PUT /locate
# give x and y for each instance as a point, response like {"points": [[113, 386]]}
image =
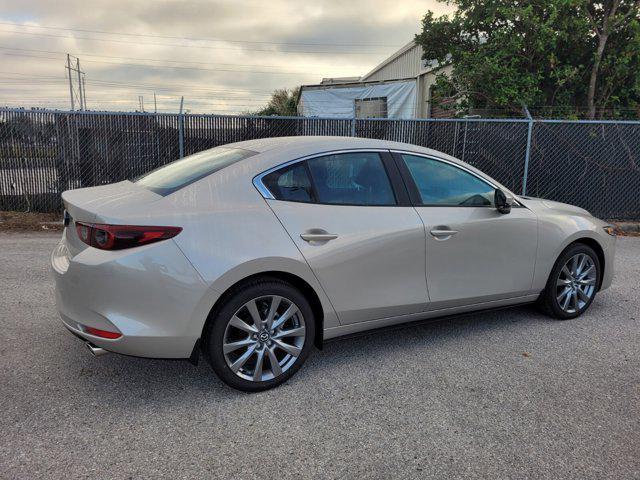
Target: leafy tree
{"points": [[564, 54], [619, 21], [282, 103]]}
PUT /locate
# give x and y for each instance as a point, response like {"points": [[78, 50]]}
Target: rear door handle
{"points": [[318, 235], [441, 233]]}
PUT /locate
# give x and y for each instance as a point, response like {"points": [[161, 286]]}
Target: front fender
{"points": [[557, 231]]}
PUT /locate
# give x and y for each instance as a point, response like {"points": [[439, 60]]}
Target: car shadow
{"points": [[133, 381]]}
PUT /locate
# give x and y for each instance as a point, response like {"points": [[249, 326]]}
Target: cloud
{"points": [[197, 49]]}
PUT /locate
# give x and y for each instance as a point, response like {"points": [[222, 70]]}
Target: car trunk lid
{"points": [[95, 204]]}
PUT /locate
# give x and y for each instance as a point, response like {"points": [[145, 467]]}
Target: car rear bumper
{"points": [[152, 295]]}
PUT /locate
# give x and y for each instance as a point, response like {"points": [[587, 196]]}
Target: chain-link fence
{"points": [[595, 165]]}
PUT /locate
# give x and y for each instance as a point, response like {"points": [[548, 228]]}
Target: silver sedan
{"points": [[252, 253]]}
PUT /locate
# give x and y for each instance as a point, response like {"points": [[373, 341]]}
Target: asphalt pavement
{"points": [[501, 394]]}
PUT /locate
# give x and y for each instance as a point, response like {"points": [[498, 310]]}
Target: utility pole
{"points": [[70, 81], [84, 92], [80, 83], [81, 95], [181, 129], [141, 103], [155, 105]]}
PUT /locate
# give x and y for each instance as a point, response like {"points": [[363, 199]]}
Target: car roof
{"points": [[324, 143], [276, 151]]}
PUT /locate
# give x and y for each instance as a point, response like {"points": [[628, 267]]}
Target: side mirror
{"points": [[502, 202]]}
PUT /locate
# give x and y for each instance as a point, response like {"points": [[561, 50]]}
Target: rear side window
{"points": [[358, 178], [176, 175], [291, 183], [351, 179]]}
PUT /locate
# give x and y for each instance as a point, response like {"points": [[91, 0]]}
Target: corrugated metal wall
{"points": [[407, 65]]}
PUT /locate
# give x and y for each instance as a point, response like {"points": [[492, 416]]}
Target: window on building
{"points": [[371, 107]]}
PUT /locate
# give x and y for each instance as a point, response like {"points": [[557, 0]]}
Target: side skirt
{"points": [[354, 328]]}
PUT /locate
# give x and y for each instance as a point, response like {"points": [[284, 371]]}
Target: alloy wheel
{"points": [[576, 283], [264, 338]]}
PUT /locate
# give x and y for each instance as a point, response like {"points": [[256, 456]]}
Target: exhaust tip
{"points": [[96, 351]]}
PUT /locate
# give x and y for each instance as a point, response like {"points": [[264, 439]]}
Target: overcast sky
{"points": [[224, 56]]}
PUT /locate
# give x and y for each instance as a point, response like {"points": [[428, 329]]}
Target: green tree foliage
{"points": [[566, 55], [282, 103]]}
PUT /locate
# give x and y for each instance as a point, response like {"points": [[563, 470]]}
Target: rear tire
{"points": [[260, 336], [572, 284]]}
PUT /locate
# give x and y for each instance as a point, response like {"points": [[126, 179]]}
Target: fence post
{"points": [[528, 151], [181, 129], [353, 120]]}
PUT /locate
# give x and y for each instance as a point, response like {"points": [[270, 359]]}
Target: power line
{"points": [[38, 84], [171, 66], [211, 100], [335, 52], [164, 86], [252, 97], [246, 102], [209, 39], [149, 59]]}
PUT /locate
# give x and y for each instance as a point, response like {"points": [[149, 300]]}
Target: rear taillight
{"points": [[117, 237], [96, 332]]}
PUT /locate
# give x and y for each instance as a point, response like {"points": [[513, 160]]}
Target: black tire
{"points": [[548, 301], [214, 334]]}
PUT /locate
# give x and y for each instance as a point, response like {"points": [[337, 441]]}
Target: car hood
{"points": [[541, 205]]}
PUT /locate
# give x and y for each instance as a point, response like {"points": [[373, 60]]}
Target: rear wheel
{"points": [[261, 335], [573, 283]]}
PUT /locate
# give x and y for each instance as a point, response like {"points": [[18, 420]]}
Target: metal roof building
{"points": [[399, 87]]}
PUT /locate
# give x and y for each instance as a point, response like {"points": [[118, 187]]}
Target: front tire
{"points": [[573, 283], [261, 335]]}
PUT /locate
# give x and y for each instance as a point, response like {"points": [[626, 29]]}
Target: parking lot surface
{"points": [[501, 394]]}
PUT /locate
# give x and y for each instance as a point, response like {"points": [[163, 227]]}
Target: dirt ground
{"points": [[30, 221]]}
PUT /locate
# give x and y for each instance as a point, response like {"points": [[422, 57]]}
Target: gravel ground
{"points": [[503, 394]]}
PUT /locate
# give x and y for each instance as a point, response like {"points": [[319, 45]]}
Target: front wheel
{"points": [[573, 283], [261, 335]]}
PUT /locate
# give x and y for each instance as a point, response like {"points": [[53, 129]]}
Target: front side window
{"points": [[179, 174], [357, 178], [441, 183]]}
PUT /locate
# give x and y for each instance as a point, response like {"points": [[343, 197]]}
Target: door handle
{"points": [[442, 233], [317, 235]]}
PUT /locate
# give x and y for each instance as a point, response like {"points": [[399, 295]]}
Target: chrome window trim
{"points": [[264, 191], [461, 167], [453, 164]]}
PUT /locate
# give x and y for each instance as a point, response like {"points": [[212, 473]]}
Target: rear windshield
{"points": [[176, 175]]}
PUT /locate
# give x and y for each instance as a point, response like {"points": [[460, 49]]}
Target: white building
{"points": [[400, 87]]}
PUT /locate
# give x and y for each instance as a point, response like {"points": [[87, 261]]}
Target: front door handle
{"points": [[442, 233], [317, 235]]}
